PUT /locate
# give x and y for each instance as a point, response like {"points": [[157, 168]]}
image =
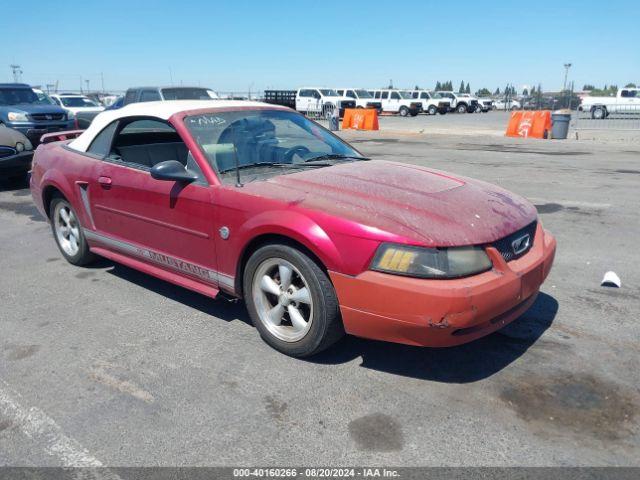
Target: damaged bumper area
{"points": [[442, 313]]}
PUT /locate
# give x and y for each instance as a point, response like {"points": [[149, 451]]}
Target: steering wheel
{"points": [[300, 150]]}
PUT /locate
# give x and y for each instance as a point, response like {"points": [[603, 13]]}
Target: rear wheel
{"points": [[432, 110], [461, 108], [291, 301], [599, 113], [68, 233], [404, 111]]}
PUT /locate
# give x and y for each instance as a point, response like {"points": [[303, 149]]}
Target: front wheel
{"points": [[68, 233], [291, 301], [462, 108], [432, 110], [404, 111]]}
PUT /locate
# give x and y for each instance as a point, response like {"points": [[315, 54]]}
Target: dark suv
{"points": [[22, 110], [154, 94]]}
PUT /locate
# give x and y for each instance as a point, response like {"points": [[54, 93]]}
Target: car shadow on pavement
{"points": [[220, 308], [9, 184], [462, 364]]}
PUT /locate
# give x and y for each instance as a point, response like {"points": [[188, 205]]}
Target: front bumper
{"points": [[442, 313], [18, 163], [35, 130]]}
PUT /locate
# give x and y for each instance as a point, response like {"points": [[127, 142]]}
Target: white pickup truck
{"points": [[362, 97], [397, 101], [322, 101], [626, 100], [432, 103], [461, 102]]}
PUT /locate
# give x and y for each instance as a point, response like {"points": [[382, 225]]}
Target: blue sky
{"points": [[237, 45]]}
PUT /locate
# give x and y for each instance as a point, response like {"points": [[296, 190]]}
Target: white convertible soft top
{"points": [[162, 110]]}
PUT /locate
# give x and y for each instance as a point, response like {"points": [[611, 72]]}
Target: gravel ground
{"points": [[108, 366]]}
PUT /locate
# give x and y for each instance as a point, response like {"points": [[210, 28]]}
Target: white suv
{"points": [[397, 101], [322, 101], [432, 103], [362, 97]]}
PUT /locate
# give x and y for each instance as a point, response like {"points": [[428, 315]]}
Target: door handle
{"points": [[104, 181]]}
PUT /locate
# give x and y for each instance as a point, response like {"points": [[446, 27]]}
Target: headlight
{"points": [[20, 146], [430, 262], [17, 117]]}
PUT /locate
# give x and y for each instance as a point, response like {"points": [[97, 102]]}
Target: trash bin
{"points": [[334, 120], [560, 120]]}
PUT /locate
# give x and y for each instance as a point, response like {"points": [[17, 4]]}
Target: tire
{"points": [[599, 113], [404, 111], [318, 325], [432, 110], [461, 108], [73, 245], [513, 108]]}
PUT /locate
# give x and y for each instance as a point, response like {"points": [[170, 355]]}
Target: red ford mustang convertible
{"points": [[259, 202]]}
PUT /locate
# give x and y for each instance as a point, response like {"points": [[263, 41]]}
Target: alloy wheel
{"points": [[67, 229], [282, 299]]}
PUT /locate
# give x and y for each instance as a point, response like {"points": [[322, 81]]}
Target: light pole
{"points": [[567, 66]]}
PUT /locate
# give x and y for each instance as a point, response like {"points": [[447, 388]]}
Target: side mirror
{"points": [[172, 170]]}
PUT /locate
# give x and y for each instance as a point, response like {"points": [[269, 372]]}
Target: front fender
{"points": [[299, 228]]}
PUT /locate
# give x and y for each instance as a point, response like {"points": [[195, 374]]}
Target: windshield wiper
{"points": [[279, 165], [335, 156]]}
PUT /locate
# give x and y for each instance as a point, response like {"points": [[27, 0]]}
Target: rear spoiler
{"points": [[60, 136]]}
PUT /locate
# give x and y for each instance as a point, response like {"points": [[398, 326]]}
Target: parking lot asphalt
{"points": [[105, 365]]}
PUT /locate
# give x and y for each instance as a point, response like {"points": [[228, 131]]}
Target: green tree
{"points": [[497, 92], [438, 86], [461, 88], [588, 86], [483, 92], [630, 85], [525, 92], [468, 89]]}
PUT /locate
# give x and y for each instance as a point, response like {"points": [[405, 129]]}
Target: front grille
{"points": [[505, 245], [474, 102], [47, 117], [7, 152]]}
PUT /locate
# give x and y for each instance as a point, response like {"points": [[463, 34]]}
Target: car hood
{"points": [[35, 108], [9, 137], [85, 109], [411, 203]]}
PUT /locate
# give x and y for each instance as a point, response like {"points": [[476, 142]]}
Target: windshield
{"points": [[44, 99], [363, 94], [264, 143], [407, 95], [77, 102], [182, 93], [435, 95], [17, 96], [327, 92]]}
